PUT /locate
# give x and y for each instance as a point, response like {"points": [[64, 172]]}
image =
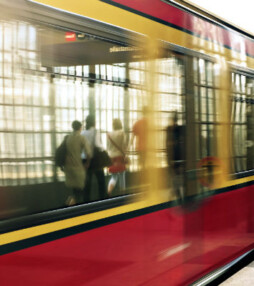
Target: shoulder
{"points": [[136, 125], [118, 133], [111, 134], [121, 133], [82, 138]]}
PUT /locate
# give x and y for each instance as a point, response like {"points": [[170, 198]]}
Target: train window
{"points": [[48, 80], [205, 107], [242, 114]]}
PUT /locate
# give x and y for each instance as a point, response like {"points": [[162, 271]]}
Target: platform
{"points": [[244, 277]]}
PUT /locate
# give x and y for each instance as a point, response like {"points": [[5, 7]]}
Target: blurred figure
{"points": [[75, 173], [93, 136], [175, 154], [117, 144], [140, 133]]}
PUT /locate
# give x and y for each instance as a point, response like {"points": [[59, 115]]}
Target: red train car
{"points": [[170, 225]]}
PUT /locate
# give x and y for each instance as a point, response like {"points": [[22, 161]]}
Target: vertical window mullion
{"points": [[199, 111]]}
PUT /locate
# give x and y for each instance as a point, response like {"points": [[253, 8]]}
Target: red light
{"points": [[70, 37]]}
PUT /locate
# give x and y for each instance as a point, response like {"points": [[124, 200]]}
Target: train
{"points": [[63, 60]]}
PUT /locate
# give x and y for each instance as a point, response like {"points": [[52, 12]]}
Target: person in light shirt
{"points": [[117, 144], [75, 173]]}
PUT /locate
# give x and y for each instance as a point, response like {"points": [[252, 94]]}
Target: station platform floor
{"points": [[244, 277]]}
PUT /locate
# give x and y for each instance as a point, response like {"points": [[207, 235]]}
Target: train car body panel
{"points": [[154, 237], [151, 249], [163, 21]]}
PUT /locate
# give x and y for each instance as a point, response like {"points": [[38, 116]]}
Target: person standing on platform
{"points": [[75, 173], [140, 133], [176, 154], [93, 136], [117, 144]]}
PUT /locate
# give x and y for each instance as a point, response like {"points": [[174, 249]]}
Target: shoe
{"points": [[70, 201]]}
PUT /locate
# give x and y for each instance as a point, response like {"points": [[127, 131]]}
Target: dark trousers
{"points": [[77, 195], [99, 174]]}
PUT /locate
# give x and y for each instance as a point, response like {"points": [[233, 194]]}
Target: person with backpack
{"points": [[93, 137], [75, 172]]}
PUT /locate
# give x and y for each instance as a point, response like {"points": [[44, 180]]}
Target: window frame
{"points": [[238, 95]]}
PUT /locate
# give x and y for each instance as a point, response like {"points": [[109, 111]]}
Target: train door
{"points": [[186, 120], [202, 121], [168, 124]]}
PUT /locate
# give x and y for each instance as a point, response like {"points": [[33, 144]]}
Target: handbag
{"points": [[100, 158], [118, 165], [60, 155]]}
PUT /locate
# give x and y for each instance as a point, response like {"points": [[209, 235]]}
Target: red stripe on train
{"points": [[189, 22]]}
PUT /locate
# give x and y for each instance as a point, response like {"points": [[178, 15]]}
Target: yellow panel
{"points": [[67, 223], [119, 17]]}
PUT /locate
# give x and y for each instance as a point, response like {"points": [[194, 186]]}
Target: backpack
{"points": [[60, 154]]}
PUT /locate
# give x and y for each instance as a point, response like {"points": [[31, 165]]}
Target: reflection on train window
{"points": [[169, 98], [242, 126], [47, 81], [205, 107]]}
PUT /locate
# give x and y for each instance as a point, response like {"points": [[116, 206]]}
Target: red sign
{"points": [[209, 169], [70, 37]]}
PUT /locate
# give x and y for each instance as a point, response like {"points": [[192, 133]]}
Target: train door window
{"points": [[242, 114], [205, 129], [205, 107], [170, 99]]}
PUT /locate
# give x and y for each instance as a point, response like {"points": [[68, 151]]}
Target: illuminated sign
{"points": [[70, 37]]}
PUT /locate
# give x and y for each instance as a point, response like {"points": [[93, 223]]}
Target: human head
{"points": [[145, 110], [90, 121], [76, 125], [117, 124]]}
